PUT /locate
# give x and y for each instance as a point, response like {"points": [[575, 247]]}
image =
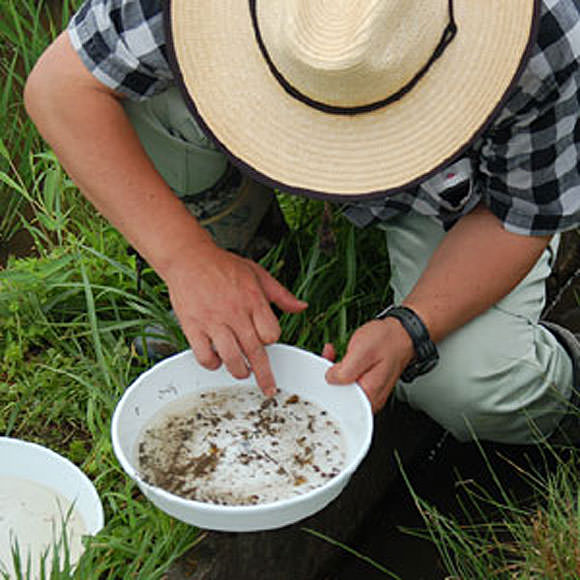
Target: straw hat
{"points": [[347, 97]]}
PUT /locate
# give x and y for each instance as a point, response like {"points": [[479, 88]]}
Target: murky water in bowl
{"points": [[232, 446], [34, 515]]}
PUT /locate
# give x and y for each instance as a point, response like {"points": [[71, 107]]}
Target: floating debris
{"points": [[232, 446]]}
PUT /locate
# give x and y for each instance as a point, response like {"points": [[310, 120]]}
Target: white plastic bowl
{"points": [[41, 466], [296, 371]]}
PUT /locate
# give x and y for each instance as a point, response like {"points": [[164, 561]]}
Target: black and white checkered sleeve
{"points": [[122, 43], [529, 170]]}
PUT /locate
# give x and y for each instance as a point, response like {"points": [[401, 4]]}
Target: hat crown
{"points": [[350, 53]]}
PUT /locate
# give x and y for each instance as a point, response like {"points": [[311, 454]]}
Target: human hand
{"points": [[329, 352], [223, 304], [376, 355]]}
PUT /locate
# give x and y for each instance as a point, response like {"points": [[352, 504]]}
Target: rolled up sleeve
{"points": [[121, 42]]}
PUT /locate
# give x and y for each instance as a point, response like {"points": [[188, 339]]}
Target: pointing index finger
{"points": [[258, 360], [260, 365]]}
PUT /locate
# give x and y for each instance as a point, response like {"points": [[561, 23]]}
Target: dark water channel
{"points": [[442, 482]]}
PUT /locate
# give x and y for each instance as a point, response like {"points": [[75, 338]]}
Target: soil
{"points": [[395, 537], [20, 245]]}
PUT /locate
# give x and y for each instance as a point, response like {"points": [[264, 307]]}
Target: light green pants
{"points": [[191, 164], [501, 377]]}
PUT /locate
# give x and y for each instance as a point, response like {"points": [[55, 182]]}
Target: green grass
{"points": [[65, 361], [68, 316], [26, 28]]}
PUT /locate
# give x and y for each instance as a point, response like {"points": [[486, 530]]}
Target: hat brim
{"points": [[296, 148]]}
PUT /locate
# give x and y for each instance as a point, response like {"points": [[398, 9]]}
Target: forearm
{"points": [[475, 266], [87, 127]]}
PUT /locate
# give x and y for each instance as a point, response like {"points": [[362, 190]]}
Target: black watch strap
{"points": [[426, 355]]}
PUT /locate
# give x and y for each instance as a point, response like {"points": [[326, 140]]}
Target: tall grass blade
{"points": [[94, 324]]}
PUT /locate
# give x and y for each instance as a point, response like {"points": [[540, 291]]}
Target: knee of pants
{"points": [[508, 389]]}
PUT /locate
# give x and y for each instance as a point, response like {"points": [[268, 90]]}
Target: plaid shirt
{"points": [[525, 167]]}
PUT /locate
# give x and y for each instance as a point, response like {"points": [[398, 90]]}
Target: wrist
{"points": [[185, 251], [424, 352], [398, 339]]}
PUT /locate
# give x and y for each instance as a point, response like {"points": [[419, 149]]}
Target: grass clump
{"points": [[64, 362], [498, 534], [26, 29]]}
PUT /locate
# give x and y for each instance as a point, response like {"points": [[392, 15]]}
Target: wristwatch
{"points": [[426, 355]]}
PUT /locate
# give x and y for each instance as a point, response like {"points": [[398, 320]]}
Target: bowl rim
{"points": [[60, 459], [207, 507]]}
